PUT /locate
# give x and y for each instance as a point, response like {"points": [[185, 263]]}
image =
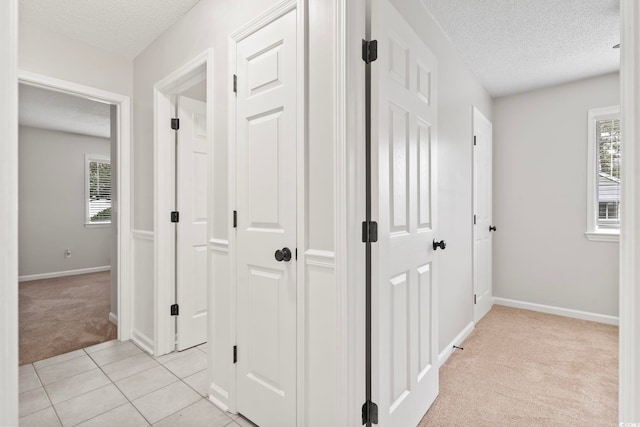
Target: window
{"points": [[98, 190], [603, 216]]}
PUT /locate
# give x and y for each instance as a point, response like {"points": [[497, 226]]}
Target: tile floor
{"points": [[117, 384]]}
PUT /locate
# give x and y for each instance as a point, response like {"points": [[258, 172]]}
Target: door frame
{"points": [[475, 111], [164, 93], [124, 193], [629, 372], [243, 32]]}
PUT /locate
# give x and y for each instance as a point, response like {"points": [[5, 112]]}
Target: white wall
{"points": [[53, 55], [52, 203], [541, 254], [207, 25], [458, 91]]}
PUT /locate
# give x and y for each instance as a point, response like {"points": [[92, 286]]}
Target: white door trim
{"points": [[353, 351], [629, 380], [164, 92], [123, 102], [258, 23], [9, 213]]}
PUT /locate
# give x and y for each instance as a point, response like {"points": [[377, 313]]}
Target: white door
{"points": [[191, 260], [266, 223], [404, 289], [482, 201]]}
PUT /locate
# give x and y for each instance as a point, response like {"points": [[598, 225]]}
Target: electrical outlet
{"points": [[67, 253]]}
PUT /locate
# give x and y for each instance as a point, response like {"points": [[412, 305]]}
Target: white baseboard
{"points": [[444, 355], [142, 341], [559, 311], [113, 318], [63, 273]]}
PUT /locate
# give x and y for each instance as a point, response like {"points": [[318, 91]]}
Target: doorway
{"points": [[87, 255], [483, 227], [183, 174]]}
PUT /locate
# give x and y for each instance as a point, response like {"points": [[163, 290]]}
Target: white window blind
{"points": [[608, 143], [98, 190]]}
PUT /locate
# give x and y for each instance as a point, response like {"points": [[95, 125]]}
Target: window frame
{"points": [[595, 232], [88, 158]]}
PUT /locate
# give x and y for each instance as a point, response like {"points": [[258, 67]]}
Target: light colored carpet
{"points": [[64, 314], [523, 368]]}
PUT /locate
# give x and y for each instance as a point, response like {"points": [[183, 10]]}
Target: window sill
{"points": [[97, 225], [603, 236]]}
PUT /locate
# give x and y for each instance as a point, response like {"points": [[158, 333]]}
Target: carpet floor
{"points": [[523, 368], [64, 314]]}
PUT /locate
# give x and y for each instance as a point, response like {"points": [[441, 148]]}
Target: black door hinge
{"points": [[369, 232], [235, 84], [235, 354], [175, 216], [369, 413], [174, 309], [475, 300], [235, 219], [369, 50], [474, 140], [474, 220], [175, 124]]}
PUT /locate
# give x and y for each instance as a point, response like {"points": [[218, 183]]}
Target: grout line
{"points": [[47, 394]]}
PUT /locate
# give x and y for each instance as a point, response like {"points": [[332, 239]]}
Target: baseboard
{"points": [[444, 355], [224, 407], [113, 318], [142, 341], [559, 311], [63, 273]]}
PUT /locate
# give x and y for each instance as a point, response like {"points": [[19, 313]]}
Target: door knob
{"points": [[283, 255], [492, 228], [441, 244]]}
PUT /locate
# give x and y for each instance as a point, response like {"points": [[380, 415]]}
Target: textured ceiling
{"points": [[124, 27], [518, 45], [47, 109]]}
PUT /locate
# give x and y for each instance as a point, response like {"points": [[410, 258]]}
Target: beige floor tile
{"points": [[188, 364], [102, 346], [32, 401], [166, 401], [115, 353], [66, 389], [89, 405], [60, 371], [28, 378], [122, 416], [145, 382], [198, 382], [176, 354], [58, 359], [200, 414], [43, 418], [129, 366]]}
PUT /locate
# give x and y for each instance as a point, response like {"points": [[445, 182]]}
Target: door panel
{"points": [[482, 201], [266, 222], [404, 114], [191, 286]]}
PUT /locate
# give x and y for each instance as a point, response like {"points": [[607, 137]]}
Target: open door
{"points": [[191, 260], [404, 354], [482, 215]]}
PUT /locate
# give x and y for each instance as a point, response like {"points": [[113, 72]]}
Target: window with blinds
{"points": [[98, 190], [608, 185], [603, 174]]}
